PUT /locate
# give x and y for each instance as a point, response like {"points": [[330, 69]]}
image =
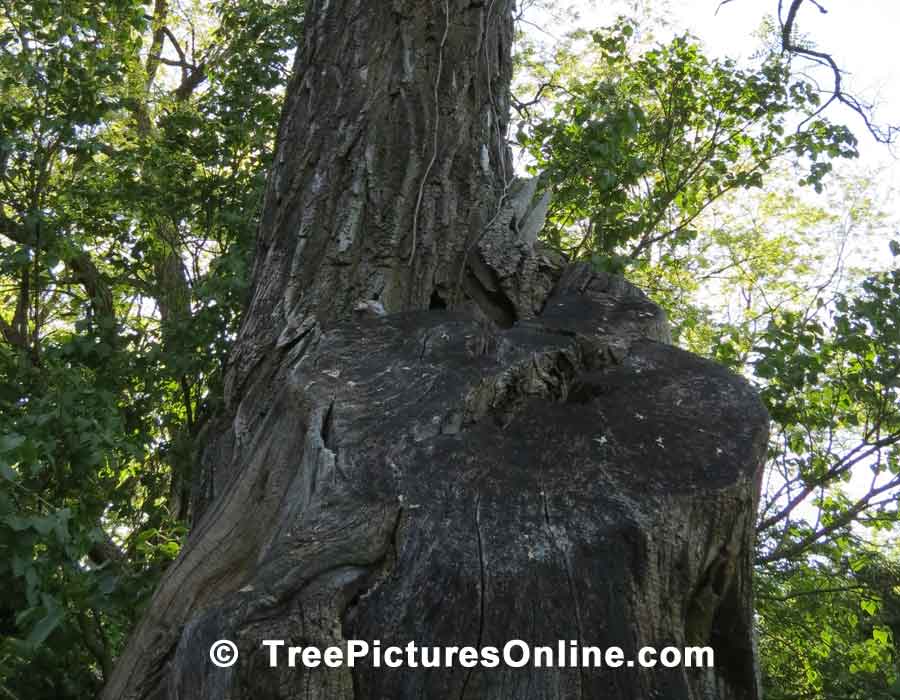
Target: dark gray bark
{"points": [[436, 431]]}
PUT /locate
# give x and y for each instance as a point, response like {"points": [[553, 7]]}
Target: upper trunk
{"points": [[413, 473], [391, 163]]}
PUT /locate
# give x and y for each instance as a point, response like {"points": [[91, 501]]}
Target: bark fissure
{"points": [[482, 583], [435, 131]]}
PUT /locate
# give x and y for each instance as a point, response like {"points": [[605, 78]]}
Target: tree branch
{"points": [[788, 45], [845, 519]]}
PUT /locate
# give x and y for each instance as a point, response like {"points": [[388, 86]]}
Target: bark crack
{"points": [[426, 336], [380, 569], [437, 121], [481, 587], [327, 425], [563, 553]]}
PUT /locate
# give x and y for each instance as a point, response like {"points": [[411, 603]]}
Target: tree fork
{"points": [[437, 432]]}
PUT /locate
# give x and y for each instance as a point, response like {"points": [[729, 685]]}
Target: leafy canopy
{"points": [[132, 160], [638, 144]]}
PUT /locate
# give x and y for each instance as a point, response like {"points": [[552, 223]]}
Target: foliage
{"points": [[132, 161], [640, 145], [827, 600], [829, 629], [831, 387]]}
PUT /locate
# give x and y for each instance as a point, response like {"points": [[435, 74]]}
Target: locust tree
{"points": [[434, 429]]}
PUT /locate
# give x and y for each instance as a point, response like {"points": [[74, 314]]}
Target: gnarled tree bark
{"points": [[435, 430]]}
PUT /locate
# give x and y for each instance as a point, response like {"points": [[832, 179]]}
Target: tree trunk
{"points": [[437, 432]]}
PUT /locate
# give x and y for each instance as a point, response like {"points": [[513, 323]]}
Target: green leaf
{"points": [[10, 442], [45, 626], [7, 472]]}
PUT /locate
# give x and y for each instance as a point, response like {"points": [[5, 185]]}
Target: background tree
{"points": [[640, 144], [132, 149]]}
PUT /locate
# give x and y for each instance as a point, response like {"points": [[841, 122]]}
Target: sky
{"points": [[861, 36]]}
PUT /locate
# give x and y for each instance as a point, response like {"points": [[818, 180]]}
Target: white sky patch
{"points": [[860, 35]]}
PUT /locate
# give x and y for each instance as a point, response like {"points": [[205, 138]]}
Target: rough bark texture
{"points": [[392, 163], [438, 432]]}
